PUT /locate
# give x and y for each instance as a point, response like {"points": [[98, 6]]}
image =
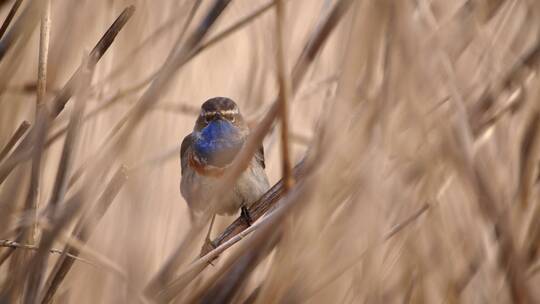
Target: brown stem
{"points": [[9, 17], [14, 139], [283, 97], [16, 245]]}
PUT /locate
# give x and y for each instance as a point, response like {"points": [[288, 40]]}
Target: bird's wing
{"points": [[259, 156], [186, 143]]}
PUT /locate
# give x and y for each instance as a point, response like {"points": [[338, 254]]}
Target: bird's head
{"points": [[221, 110], [220, 131]]}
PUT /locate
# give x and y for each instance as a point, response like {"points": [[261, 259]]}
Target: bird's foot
{"points": [[244, 213]]}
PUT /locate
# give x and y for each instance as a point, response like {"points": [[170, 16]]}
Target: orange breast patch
{"points": [[204, 170]]}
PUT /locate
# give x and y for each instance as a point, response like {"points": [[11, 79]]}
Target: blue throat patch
{"points": [[218, 143]]}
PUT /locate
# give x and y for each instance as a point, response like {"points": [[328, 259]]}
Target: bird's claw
{"points": [[244, 213]]}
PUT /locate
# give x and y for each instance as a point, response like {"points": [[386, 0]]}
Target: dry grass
{"points": [[410, 129]]}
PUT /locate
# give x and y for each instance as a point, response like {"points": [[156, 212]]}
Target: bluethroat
{"points": [[219, 133]]}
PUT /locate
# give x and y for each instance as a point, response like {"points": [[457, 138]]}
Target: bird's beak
{"points": [[219, 116]]}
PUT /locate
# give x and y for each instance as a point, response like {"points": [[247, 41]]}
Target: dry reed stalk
{"points": [[19, 132], [64, 167], [233, 28], [44, 37], [528, 158], [253, 295], [534, 269], [489, 8], [6, 255], [30, 234], [284, 95], [33, 197], [528, 178], [16, 245], [23, 150], [187, 22], [9, 17], [325, 27], [22, 27], [42, 124], [14, 41], [95, 55], [152, 38]]}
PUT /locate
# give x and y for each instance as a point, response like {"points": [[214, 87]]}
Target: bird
{"points": [[220, 132]]}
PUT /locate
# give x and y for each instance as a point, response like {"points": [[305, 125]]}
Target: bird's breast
{"points": [[217, 144], [199, 184]]}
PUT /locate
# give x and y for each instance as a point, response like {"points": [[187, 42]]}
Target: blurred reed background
{"points": [[417, 121]]}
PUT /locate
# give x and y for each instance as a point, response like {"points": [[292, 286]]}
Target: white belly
{"points": [[198, 189]]}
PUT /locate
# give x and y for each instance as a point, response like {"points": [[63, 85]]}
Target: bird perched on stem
{"points": [[219, 133]]}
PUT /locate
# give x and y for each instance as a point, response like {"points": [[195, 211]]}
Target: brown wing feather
{"points": [[186, 143]]}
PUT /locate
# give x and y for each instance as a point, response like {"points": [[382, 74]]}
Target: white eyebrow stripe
{"points": [[226, 112]]}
